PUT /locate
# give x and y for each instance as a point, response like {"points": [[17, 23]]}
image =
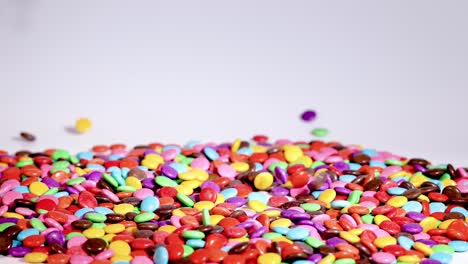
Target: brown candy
{"points": [[137, 173], [360, 158], [326, 249], [82, 224], [239, 248], [27, 136], [5, 243], [94, 245], [412, 193], [114, 218], [452, 192], [12, 231], [434, 173]]}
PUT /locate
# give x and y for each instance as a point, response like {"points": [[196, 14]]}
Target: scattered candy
{"points": [[27, 136], [238, 202], [82, 125], [319, 132], [308, 115]]}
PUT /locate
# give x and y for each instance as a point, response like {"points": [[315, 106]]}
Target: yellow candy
{"points": [[423, 197], [399, 174], [239, 239], [417, 180], [272, 213], [282, 222], [184, 189], [114, 228], [258, 149], [192, 184], [263, 180], [449, 182], [120, 247], [109, 237], [154, 157], [131, 229], [235, 145], [123, 208], [445, 224], [118, 258], [257, 206], [201, 175], [327, 196], [94, 232], [35, 257], [80, 171], [380, 218], [269, 258], [384, 241], [409, 259], [83, 124], [134, 182], [220, 199], [12, 215], [306, 160], [214, 219], [167, 228], [178, 212], [352, 238], [328, 259], [288, 185], [240, 166], [397, 201], [429, 223], [357, 231], [292, 153], [423, 248], [3, 164], [150, 164], [281, 238], [203, 205], [38, 188]]}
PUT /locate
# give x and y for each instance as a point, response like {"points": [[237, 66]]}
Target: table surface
{"points": [[390, 76]]}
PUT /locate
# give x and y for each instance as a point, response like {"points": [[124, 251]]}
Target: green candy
{"points": [[96, 217], [445, 176], [42, 211], [99, 225], [282, 164], [75, 181], [367, 219], [5, 226], [187, 201], [271, 235], [37, 224], [23, 163], [109, 179], [393, 162], [354, 196], [73, 234], [126, 189], [165, 181], [443, 248], [319, 132], [54, 170], [193, 234], [136, 210], [61, 164], [310, 207], [51, 191], [145, 217], [206, 217], [316, 164], [187, 251], [344, 261], [74, 159], [60, 154], [314, 242]]}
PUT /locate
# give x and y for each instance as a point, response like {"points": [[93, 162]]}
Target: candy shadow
{"points": [[71, 130], [20, 139]]}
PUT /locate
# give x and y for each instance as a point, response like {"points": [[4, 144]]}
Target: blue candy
{"points": [[27, 232], [405, 242], [444, 258], [340, 204], [437, 207], [460, 210], [149, 204], [245, 151], [413, 206], [79, 213], [195, 243], [21, 189], [258, 196], [103, 210], [179, 167], [297, 233], [161, 256], [347, 178], [281, 230], [229, 193], [459, 245], [211, 153]]}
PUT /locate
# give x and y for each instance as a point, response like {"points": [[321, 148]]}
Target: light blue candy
{"points": [[161, 256], [258, 196], [398, 179], [413, 206], [143, 168], [125, 172], [229, 193], [444, 258], [79, 213], [103, 210], [118, 177], [115, 157], [396, 191], [149, 204], [258, 166], [316, 194], [354, 166], [297, 233], [339, 204], [460, 210], [16, 243], [95, 167], [168, 147], [27, 232], [121, 262], [61, 194], [281, 230], [21, 189], [437, 207], [179, 167], [302, 261], [405, 242], [369, 152], [375, 163], [88, 155], [245, 151], [211, 153], [226, 248], [191, 144], [195, 243], [347, 178], [114, 168], [459, 245]]}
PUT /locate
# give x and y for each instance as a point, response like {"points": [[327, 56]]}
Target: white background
{"points": [[390, 75]]}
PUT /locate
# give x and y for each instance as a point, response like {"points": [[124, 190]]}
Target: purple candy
{"points": [[56, 237], [319, 227], [246, 224], [300, 216], [71, 190], [150, 151], [281, 175], [94, 176], [8, 220], [210, 184], [259, 232], [428, 242], [51, 183], [279, 191], [412, 228], [430, 261], [315, 257], [169, 171], [288, 213], [237, 201], [19, 252], [306, 222], [324, 166], [420, 168], [308, 115], [415, 216], [341, 166], [334, 241], [342, 190], [148, 183]]}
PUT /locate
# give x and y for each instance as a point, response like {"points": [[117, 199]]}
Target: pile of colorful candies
{"points": [[237, 202]]}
